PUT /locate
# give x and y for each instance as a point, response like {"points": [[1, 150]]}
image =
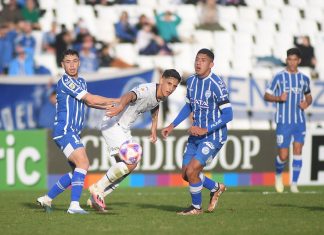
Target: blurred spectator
{"points": [[31, 13], [88, 57], [108, 60], [150, 44], [126, 1], [10, 13], [143, 19], [48, 110], [166, 24], [232, 2], [6, 49], [22, 64], [208, 15], [63, 41], [26, 39], [307, 51], [49, 38], [124, 30]]}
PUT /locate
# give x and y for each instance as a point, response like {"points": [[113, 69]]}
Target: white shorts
{"points": [[114, 135]]}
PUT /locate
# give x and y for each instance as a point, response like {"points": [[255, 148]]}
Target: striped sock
{"points": [[296, 165], [60, 186], [77, 183], [280, 165], [195, 192], [208, 183]]}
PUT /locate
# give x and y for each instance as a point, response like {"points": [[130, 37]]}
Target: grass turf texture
{"points": [[241, 210]]}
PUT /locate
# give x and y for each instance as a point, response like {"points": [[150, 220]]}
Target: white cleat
{"points": [[278, 184], [45, 202], [294, 188], [77, 211]]}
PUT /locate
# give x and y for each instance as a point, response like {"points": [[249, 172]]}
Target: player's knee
{"points": [[131, 167]]}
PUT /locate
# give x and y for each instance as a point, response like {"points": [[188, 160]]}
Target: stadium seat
{"points": [[187, 13], [183, 64], [308, 27], [221, 66], [106, 14], [314, 13], [204, 37], [261, 49], [247, 13], [306, 70], [144, 3], [127, 52], [47, 4], [163, 62], [271, 14], [316, 3], [265, 27], [47, 60], [86, 12], [274, 3], [255, 3], [261, 73], [227, 14], [107, 33], [289, 26], [301, 4], [246, 26], [146, 10], [46, 20], [145, 62], [38, 35], [64, 14], [290, 13]]}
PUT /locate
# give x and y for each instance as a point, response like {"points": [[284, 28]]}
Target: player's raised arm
{"points": [[272, 98], [114, 110], [154, 115], [99, 102]]}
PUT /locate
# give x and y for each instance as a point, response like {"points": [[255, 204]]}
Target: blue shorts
{"points": [[201, 149], [68, 143], [285, 133]]}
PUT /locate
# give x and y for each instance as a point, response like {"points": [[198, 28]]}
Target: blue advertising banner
{"points": [[25, 103]]}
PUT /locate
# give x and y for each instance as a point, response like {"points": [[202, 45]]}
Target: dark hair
{"points": [[69, 52], [207, 52], [294, 51], [171, 73]]}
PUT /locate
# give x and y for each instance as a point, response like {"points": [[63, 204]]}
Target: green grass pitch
{"points": [[241, 210]]}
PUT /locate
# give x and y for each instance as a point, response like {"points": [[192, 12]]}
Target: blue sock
{"points": [[77, 183], [296, 165], [208, 183], [60, 186], [280, 165], [195, 192]]}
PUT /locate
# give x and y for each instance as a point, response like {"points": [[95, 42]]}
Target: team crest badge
{"points": [[207, 94], [205, 150], [72, 86]]}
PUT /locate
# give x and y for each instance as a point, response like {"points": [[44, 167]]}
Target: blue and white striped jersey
{"points": [[70, 109], [205, 97], [296, 85]]}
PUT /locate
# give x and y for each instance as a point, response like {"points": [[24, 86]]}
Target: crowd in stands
{"points": [[151, 35]]}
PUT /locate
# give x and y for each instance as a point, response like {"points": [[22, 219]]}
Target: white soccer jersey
{"points": [[116, 130], [146, 100]]}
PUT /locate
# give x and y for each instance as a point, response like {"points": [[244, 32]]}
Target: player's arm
{"points": [[154, 115], [304, 104], [183, 114], [268, 96], [123, 102], [98, 102], [225, 117]]}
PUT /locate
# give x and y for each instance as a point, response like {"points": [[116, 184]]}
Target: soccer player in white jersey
{"points": [[116, 129], [72, 97], [207, 100], [290, 90]]}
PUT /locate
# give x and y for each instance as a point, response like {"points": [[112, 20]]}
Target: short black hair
{"points": [[294, 51], [69, 52], [207, 52], [171, 73]]}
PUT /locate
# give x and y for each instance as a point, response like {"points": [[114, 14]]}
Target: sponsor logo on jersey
{"points": [[72, 86], [210, 145], [201, 103]]}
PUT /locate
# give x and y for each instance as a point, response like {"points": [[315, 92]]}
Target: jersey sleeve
{"points": [[307, 89], [69, 87], [273, 85], [221, 93], [142, 91]]}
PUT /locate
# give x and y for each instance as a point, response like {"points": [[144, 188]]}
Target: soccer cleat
{"points": [[92, 204], [294, 188], [190, 211], [45, 202], [214, 196], [278, 184], [77, 211], [96, 198]]}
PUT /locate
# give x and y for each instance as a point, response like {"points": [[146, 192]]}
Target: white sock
{"points": [[114, 173], [74, 205]]}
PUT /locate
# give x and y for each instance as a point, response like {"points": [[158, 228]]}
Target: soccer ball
{"points": [[130, 152]]}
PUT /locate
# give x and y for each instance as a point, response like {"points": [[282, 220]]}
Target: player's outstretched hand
{"points": [[114, 110], [167, 130], [303, 105], [153, 137], [197, 131]]}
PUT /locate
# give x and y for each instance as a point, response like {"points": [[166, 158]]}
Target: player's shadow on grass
{"points": [[171, 208], [31, 205], [311, 208]]}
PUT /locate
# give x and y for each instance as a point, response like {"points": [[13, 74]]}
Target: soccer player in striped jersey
{"points": [[290, 90], [116, 126], [207, 100], [72, 97]]}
